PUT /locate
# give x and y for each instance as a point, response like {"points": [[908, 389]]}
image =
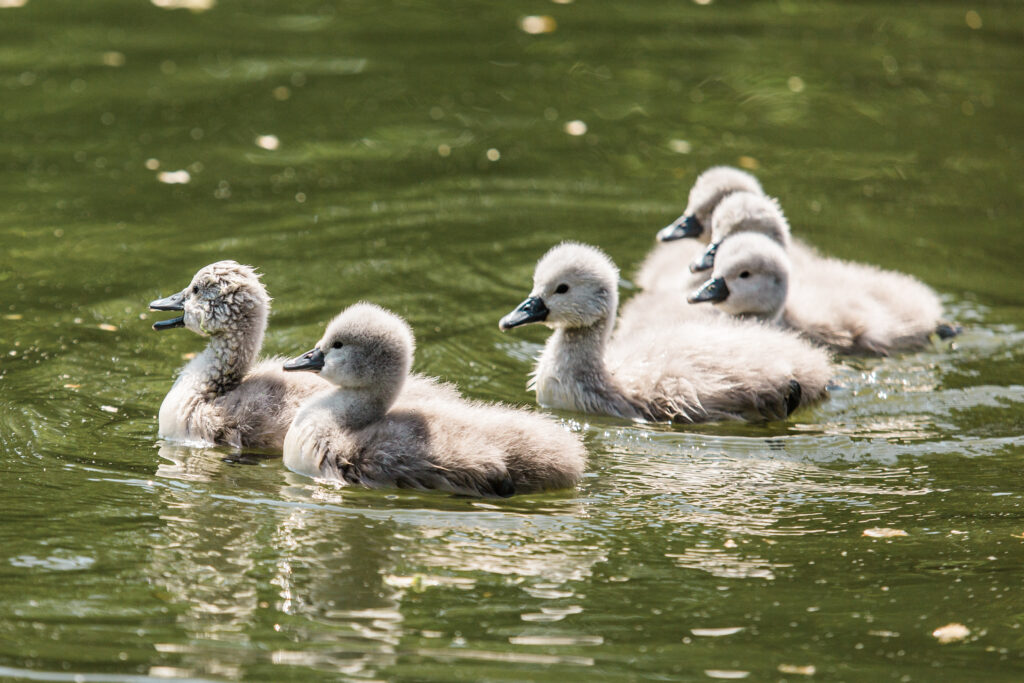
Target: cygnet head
{"points": [[744, 212], [574, 286], [222, 297], [708, 191], [365, 347], [751, 278]]}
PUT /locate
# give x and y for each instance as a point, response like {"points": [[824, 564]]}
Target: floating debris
{"points": [[113, 58], [951, 633], [795, 83], [680, 146], [749, 163], [12, 316], [808, 670], [716, 632], [268, 142], [108, 409], [535, 24], [493, 154], [8, 4], [107, 327], [72, 386], [180, 177], [191, 5], [576, 127], [884, 532], [730, 674]]}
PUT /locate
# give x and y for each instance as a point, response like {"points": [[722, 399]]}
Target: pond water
{"points": [[423, 154]]}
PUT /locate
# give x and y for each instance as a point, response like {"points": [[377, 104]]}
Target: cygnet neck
{"points": [[357, 407], [226, 360], [578, 352]]}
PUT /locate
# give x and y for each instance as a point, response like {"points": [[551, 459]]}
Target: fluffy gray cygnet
{"points": [[696, 371], [664, 268], [851, 307], [223, 396], [373, 431]]}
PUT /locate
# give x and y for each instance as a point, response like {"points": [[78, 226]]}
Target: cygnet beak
{"points": [[532, 310], [175, 302], [688, 226], [706, 260], [713, 290], [312, 360]]}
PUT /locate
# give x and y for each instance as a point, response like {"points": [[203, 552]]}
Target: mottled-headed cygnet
{"points": [[223, 395], [372, 432], [851, 307], [702, 370], [665, 265]]}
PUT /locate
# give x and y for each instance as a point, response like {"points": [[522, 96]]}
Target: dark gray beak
{"points": [[175, 302], [312, 360], [713, 290], [706, 260], [532, 310], [688, 226]]}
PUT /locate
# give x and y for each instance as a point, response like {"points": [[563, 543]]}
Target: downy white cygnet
{"points": [[223, 396], [665, 267], [697, 371], [750, 278], [369, 431], [851, 307]]}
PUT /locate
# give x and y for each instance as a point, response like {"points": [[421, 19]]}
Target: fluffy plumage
{"points": [[665, 267], [223, 395], [697, 371], [375, 430], [851, 307]]}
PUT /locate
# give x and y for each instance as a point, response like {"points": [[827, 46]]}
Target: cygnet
{"points": [[851, 307], [370, 432], [223, 396], [664, 268], [750, 278], [697, 371]]}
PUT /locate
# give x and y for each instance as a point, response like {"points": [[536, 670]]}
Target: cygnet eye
{"points": [[745, 274], [337, 345], [195, 289], [562, 288]]}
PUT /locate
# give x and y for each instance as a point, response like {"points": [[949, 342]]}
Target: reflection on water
{"points": [[423, 156]]}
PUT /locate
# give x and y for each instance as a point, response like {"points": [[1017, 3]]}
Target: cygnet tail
{"points": [[947, 330]]}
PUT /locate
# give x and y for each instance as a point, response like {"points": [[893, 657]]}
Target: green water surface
{"points": [[422, 161]]}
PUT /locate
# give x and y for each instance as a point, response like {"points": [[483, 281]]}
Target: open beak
{"points": [[175, 302], [686, 226], [312, 360], [532, 310], [713, 290], [706, 260]]}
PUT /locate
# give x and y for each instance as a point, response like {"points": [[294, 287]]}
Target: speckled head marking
{"points": [[223, 297]]}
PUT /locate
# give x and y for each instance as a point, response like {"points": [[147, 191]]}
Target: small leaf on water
{"points": [[884, 532], [951, 633], [799, 670], [107, 327]]}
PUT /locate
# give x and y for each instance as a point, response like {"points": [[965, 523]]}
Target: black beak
{"points": [[706, 260], [175, 302], [713, 290], [689, 226], [530, 311], [312, 360]]}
